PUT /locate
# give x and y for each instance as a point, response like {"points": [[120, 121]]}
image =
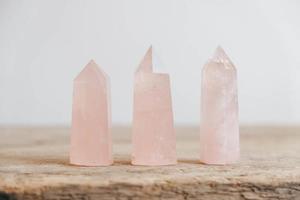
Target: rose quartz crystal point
{"points": [[153, 137], [219, 138], [91, 143]]}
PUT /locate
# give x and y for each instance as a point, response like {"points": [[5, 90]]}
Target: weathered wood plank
{"points": [[34, 165]]}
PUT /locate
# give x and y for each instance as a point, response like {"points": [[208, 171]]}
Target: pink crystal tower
{"points": [[91, 143], [153, 137], [219, 138]]}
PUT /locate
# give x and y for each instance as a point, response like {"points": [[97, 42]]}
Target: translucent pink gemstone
{"points": [[219, 111], [153, 137], [91, 143]]}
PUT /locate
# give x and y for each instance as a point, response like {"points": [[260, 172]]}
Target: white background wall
{"points": [[44, 44]]}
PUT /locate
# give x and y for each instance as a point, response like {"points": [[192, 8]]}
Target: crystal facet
{"points": [[91, 143], [219, 137], [153, 137]]}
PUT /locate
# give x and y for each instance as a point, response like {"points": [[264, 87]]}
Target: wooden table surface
{"points": [[34, 166]]}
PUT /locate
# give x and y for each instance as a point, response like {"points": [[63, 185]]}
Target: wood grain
{"points": [[34, 166]]}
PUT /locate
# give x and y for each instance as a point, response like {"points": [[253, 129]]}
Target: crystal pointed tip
{"points": [[151, 62], [92, 62], [219, 53], [146, 63], [90, 71], [149, 51], [220, 56]]}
